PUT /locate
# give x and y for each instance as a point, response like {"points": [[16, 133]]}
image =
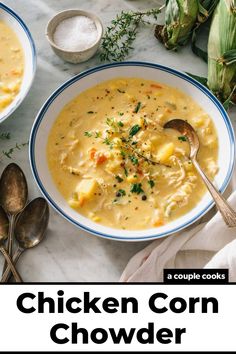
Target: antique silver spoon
{"points": [[4, 227], [228, 214], [30, 229], [13, 197]]}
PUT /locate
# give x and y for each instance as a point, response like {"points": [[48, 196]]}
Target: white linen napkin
{"points": [[209, 245]]}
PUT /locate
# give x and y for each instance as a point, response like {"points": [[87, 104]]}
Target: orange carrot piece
{"points": [[158, 223], [156, 86], [101, 158], [92, 153]]}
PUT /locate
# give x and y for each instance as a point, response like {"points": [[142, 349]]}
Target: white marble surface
{"points": [[69, 254]]}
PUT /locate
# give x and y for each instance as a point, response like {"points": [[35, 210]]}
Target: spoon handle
{"points": [[228, 214], [9, 240], [7, 274], [11, 265]]}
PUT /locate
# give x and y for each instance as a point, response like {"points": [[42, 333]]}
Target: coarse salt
{"points": [[76, 33]]}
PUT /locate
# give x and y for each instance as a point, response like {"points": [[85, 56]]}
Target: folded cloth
{"points": [[210, 245]]}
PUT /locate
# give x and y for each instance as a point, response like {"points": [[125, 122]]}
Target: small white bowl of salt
{"points": [[75, 35]]}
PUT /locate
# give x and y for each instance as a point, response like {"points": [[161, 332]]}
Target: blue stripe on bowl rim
{"points": [[182, 75], [34, 57]]}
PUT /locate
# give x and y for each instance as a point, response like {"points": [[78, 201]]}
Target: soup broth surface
{"points": [[113, 161], [11, 65]]}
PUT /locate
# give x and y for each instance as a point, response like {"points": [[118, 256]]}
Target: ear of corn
{"points": [[180, 18], [222, 51], [206, 8]]}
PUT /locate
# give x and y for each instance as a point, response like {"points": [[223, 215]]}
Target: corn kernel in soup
{"points": [[114, 163]]}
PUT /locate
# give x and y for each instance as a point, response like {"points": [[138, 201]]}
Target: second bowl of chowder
{"points": [[101, 157], [17, 61]]}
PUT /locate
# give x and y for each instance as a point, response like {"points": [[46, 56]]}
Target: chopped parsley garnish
{"points": [[151, 183], [120, 193], [97, 134], [137, 108], [5, 136], [133, 159], [182, 138], [121, 114], [90, 112], [119, 179], [108, 142], [126, 172], [120, 124], [110, 122], [123, 154], [136, 188], [88, 134], [134, 130]]}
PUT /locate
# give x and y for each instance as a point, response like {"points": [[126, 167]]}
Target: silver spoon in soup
{"points": [[228, 214]]}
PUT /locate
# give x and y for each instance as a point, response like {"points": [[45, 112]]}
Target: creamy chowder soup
{"points": [[114, 163], [11, 65]]}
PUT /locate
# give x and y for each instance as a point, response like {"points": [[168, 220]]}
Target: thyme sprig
{"points": [[145, 158], [5, 136], [9, 153], [120, 35]]}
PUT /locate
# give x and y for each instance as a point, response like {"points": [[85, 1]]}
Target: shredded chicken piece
{"points": [[177, 177]]}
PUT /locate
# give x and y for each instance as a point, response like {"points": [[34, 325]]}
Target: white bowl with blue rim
{"points": [[16, 23], [73, 87]]}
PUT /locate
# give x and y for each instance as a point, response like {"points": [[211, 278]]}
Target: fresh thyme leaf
{"points": [[120, 193], [10, 152], [5, 136], [123, 154], [126, 172], [107, 141], [90, 112], [137, 108], [97, 135], [134, 130], [121, 113], [88, 134], [120, 35], [133, 159], [110, 122], [120, 91], [119, 179], [151, 183], [182, 138], [136, 188], [120, 124]]}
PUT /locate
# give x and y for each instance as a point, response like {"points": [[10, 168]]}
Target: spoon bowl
{"points": [[13, 197], [13, 189], [186, 130], [32, 223], [4, 225], [30, 229]]}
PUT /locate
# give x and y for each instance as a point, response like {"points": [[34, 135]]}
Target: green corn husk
{"points": [[222, 51], [180, 18], [206, 9]]}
